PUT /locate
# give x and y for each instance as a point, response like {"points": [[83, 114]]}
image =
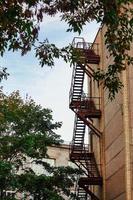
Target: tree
{"points": [[20, 23], [26, 131]]}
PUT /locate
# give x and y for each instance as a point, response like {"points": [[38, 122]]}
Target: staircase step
{"points": [[79, 73], [77, 82], [78, 79], [79, 132], [90, 181], [78, 85], [90, 193], [79, 90], [79, 128], [90, 125], [79, 67], [79, 136]]}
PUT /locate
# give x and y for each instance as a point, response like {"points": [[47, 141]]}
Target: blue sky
{"points": [[48, 87]]}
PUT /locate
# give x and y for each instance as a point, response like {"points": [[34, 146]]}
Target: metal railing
{"points": [[79, 43], [72, 83], [90, 102], [85, 147], [86, 102]]}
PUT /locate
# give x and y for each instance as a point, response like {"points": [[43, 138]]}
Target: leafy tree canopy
{"points": [[26, 131], [20, 23]]}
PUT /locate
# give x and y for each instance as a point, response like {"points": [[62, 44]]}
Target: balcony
{"points": [[86, 52], [88, 107]]}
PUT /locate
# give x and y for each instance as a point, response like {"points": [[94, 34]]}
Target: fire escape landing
{"points": [[86, 109]]}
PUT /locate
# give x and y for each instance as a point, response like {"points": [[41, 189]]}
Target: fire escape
{"points": [[86, 109]]}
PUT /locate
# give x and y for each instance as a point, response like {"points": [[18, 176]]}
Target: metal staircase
{"points": [[77, 84], [86, 109], [82, 195], [78, 134]]}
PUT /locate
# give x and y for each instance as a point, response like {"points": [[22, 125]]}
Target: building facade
{"points": [[117, 129], [58, 155]]}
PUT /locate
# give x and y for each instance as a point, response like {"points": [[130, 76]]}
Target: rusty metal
{"points": [[86, 108], [87, 52]]}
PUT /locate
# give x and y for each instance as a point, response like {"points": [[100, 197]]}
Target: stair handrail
{"points": [[72, 83], [74, 131]]}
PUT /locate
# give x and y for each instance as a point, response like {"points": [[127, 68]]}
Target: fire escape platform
{"points": [[90, 181], [91, 57], [85, 108], [80, 156], [88, 56], [90, 113]]}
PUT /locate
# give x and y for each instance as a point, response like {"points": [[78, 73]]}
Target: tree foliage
{"points": [[26, 131], [20, 23]]}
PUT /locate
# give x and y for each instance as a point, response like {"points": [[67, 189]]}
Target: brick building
{"points": [[116, 126], [107, 160]]}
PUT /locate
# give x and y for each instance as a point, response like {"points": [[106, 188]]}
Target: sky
{"points": [[47, 86]]}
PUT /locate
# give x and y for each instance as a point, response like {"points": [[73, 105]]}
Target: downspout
{"points": [[126, 127]]}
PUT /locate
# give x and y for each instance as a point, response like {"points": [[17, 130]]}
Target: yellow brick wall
{"points": [[113, 122]]}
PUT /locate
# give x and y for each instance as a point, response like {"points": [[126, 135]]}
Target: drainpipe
{"points": [[127, 138]]}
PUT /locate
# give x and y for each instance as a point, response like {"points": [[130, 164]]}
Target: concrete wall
{"points": [[60, 154]]}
